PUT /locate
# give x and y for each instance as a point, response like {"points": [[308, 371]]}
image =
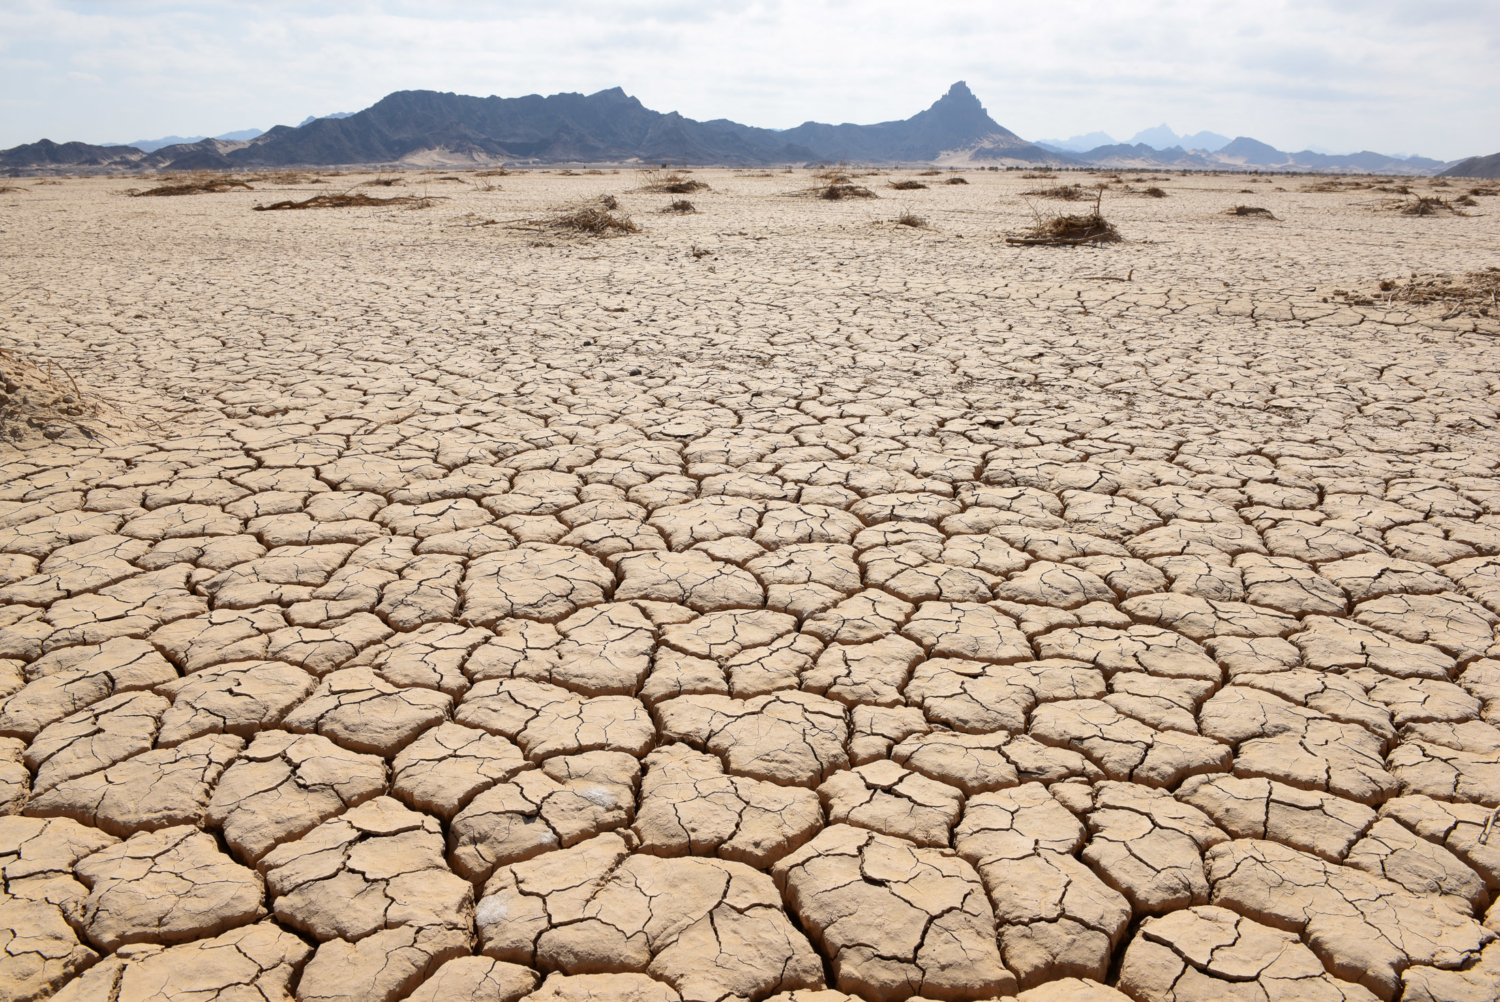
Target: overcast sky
{"points": [[1393, 76]]}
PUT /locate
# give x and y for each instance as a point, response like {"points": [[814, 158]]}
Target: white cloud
{"points": [[1351, 74]]}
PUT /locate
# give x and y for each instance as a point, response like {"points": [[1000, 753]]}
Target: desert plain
{"points": [[417, 601]]}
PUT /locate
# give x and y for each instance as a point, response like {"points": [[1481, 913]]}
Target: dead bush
{"points": [[609, 202], [682, 205], [350, 201], [956, 180], [836, 192], [929, 173], [1426, 205], [670, 183], [496, 172], [1475, 293], [1254, 211], [204, 187], [381, 182], [910, 218], [1154, 192], [1485, 189], [1069, 231], [1063, 193], [593, 222], [907, 185]]}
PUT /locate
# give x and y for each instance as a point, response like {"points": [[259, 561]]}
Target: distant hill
{"points": [[426, 128], [410, 128], [1244, 152], [1475, 167]]}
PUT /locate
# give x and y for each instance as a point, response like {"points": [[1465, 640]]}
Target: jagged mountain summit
{"points": [[419, 127]]}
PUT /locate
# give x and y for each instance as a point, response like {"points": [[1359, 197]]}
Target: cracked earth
{"points": [[777, 603]]}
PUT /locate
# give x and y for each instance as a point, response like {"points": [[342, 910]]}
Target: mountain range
{"points": [[431, 128]]}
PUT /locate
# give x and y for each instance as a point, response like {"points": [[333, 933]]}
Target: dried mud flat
{"points": [[774, 602]]}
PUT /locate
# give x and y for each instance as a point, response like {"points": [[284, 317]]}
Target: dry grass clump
{"points": [[907, 185], [1069, 231], [206, 186], [682, 206], [956, 180], [1475, 294], [836, 192], [929, 173], [381, 182], [349, 200], [1336, 184], [1253, 211], [1063, 193], [670, 184], [1154, 192], [610, 202], [1485, 189], [1426, 205], [593, 222], [284, 177], [910, 218], [496, 172], [8, 189], [39, 405]]}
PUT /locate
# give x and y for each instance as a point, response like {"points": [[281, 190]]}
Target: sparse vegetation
{"points": [[1475, 294], [835, 192], [929, 173], [956, 180], [1064, 193], [670, 183], [910, 218], [349, 200], [200, 187], [1069, 231], [907, 185], [593, 222], [1426, 205], [682, 206], [381, 182], [1154, 192]]}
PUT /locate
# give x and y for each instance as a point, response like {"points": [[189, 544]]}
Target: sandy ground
{"points": [[778, 599]]}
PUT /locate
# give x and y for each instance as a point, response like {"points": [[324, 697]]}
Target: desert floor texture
{"points": [[775, 600]]}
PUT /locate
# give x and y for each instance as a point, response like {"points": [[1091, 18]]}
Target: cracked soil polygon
{"points": [[631, 624]]}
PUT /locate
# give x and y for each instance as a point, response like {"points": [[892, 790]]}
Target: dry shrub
{"points": [[836, 192], [956, 180], [1154, 192], [497, 172], [929, 173], [8, 189], [670, 184], [834, 175], [593, 222], [609, 202], [1475, 294], [1069, 231], [910, 218], [381, 182], [1254, 211], [1039, 173], [907, 185], [682, 205], [1065, 193], [350, 201], [1465, 200], [1485, 189], [1336, 184], [1426, 205], [204, 187], [284, 177]]}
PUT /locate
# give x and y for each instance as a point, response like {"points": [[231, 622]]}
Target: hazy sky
{"points": [[1393, 76]]}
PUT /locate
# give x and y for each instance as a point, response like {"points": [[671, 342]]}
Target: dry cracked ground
{"points": [[773, 603]]}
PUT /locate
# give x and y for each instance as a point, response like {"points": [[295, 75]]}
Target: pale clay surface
{"points": [[777, 603]]}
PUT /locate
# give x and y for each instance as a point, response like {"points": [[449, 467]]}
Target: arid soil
{"points": [[776, 601]]}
